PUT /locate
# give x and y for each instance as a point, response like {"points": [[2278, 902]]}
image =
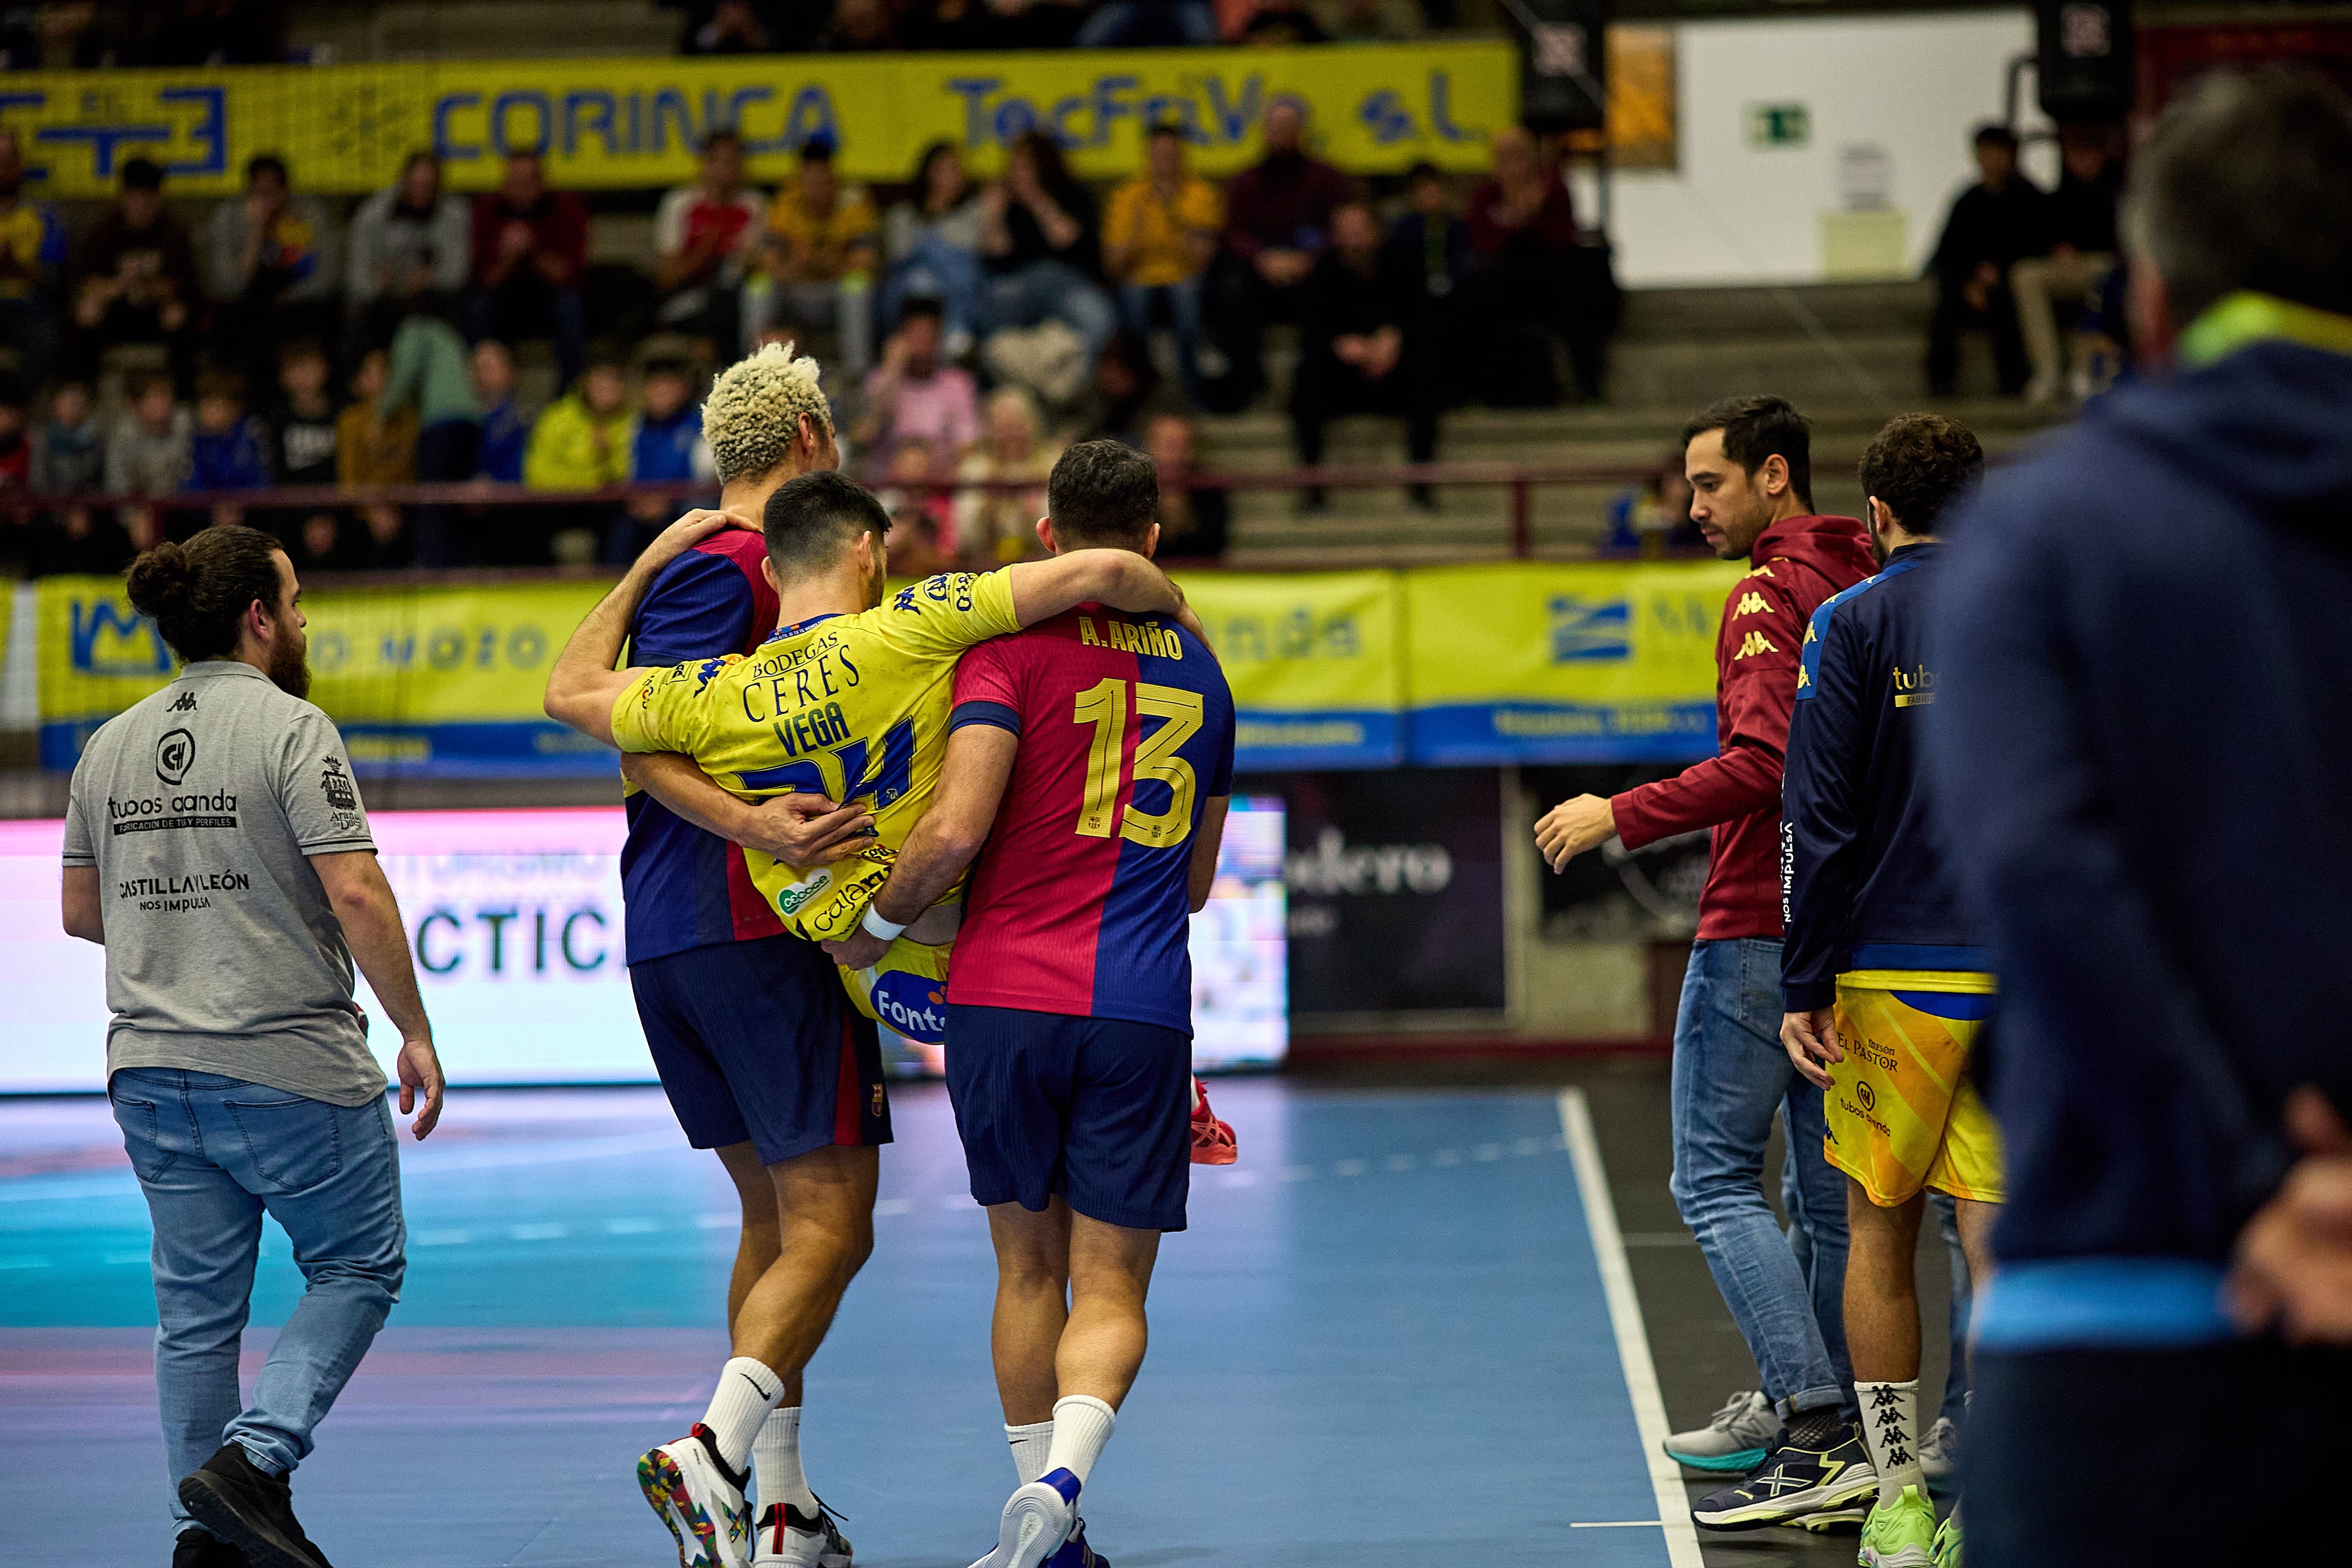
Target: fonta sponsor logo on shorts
{"points": [[914, 1004]]}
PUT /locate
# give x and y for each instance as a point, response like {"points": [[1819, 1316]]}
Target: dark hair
{"points": [[932, 154], [296, 349], [921, 305], [817, 148], [1918, 465], [140, 383], [1424, 170], [13, 393], [420, 155], [1052, 173], [216, 383], [2249, 186], [1995, 135], [1755, 428], [603, 354], [718, 134], [669, 366], [198, 591], [810, 520], [1101, 492], [1165, 128], [142, 175], [266, 164]]}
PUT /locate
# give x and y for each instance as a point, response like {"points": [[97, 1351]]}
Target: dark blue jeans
{"points": [[1731, 1076]]}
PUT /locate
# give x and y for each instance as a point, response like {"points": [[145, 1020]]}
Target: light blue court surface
{"points": [[1384, 1341]]}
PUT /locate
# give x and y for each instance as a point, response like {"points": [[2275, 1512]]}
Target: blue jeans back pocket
{"points": [[294, 1144], [137, 1118]]}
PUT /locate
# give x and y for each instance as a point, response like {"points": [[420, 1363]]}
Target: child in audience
{"points": [[70, 452], [148, 453], [370, 450], [668, 446], [581, 442], [505, 431], [304, 435], [227, 452]]}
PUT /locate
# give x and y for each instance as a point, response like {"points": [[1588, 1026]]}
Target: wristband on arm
{"points": [[875, 926]]}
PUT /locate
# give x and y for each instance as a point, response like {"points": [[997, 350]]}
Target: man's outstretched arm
{"points": [[797, 830], [1118, 578], [979, 763], [584, 685]]}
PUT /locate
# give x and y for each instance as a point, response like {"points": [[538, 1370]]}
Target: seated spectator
{"points": [[32, 254], [1430, 243], [1283, 25], [303, 426], [1277, 213], [70, 452], [1158, 237], [2081, 236], [411, 238], [665, 446], [748, 27], [1038, 240], [430, 379], [506, 430], [147, 452], [530, 251], [1193, 523], [914, 395], [581, 441], [932, 242], [229, 451], [1355, 355], [16, 447], [1149, 25], [922, 519], [868, 26], [1654, 518], [704, 235], [79, 541], [817, 260], [372, 449], [1125, 391], [272, 258], [1530, 259], [135, 280], [320, 543], [1991, 225], [996, 527]]}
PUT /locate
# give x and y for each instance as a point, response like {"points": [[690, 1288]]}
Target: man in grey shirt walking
{"points": [[216, 846]]}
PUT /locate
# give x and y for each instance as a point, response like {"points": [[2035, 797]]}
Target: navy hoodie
{"points": [[2145, 749]]}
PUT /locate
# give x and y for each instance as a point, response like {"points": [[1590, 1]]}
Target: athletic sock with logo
{"points": [[1082, 1424], [1032, 1444], [1890, 1426], [747, 1391], [776, 1459]]}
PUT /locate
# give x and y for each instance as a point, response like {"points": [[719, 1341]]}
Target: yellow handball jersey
{"points": [[850, 707]]}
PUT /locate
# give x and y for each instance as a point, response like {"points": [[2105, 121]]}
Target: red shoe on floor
{"points": [[1212, 1141]]}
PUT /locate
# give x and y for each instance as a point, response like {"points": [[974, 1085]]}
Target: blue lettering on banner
{"points": [[444, 141], [1386, 117], [587, 113], [1440, 110], [508, 145], [1586, 629], [209, 133], [121, 629]]}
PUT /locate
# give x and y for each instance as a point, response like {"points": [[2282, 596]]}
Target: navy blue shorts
{"points": [[757, 1043], [1098, 1110]]}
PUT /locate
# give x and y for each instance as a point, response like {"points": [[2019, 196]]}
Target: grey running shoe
{"points": [[1940, 1452], [1735, 1440]]}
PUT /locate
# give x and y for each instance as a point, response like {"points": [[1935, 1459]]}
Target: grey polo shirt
{"points": [[200, 807]]}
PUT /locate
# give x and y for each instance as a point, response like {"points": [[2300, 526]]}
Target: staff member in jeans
{"points": [[216, 846]]}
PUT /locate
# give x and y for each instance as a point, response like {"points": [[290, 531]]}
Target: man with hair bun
{"points": [[216, 847]]}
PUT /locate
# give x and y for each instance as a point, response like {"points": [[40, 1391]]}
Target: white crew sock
{"points": [[747, 1391], [776, 1458], [1890, 1426], [1082, 1426], [1031, 1445]]}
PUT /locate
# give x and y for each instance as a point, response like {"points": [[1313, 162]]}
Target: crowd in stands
{"points": [[970, 328]]}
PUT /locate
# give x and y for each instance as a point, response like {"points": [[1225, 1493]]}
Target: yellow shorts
{"points": [[906, 989], [1904, 1112]]}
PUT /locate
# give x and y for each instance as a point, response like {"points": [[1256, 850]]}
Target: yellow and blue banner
{"points": [[1514, 662], [605, 123]]}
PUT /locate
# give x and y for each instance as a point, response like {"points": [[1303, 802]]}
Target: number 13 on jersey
{"points": [[1105, 706]]}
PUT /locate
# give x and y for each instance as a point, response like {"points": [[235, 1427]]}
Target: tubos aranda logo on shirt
{"points": [[914, 1004]]}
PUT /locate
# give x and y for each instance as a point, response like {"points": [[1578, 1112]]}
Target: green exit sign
{"points": [[1778, 126]]}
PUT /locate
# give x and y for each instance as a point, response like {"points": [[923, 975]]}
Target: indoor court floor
{"points": [[1404, 1323]]}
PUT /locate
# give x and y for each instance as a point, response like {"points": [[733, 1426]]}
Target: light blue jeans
{"points": [[1051, 290], [1730, 1077], [1135, 305], [213, 1154], [934, 269]]}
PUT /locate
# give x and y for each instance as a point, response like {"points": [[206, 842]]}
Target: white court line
{"points": [[1625, 1317], [1613, 1524]]}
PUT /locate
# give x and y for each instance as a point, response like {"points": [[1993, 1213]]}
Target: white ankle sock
{"points": [[776, 1458], [747, 1391], [1031, 1445], [1890, 1427], [1082, 1426]]}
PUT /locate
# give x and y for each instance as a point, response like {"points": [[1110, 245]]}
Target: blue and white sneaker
{"points": [[1075, 1552], [1791, 1483], [1038, 1519], [1735, 1440]]}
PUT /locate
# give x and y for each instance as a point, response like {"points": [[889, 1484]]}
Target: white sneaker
{"points": [[1736, 1439], [1037, 1519], [1939, 1451], [787, 1538], [700, 1500]]}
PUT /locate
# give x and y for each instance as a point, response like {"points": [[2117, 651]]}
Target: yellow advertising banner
{"points": [[609, 124], [1316, 662]]}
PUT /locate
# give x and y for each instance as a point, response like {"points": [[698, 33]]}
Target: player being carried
{"points": [[1094, 756], [848, 698]]}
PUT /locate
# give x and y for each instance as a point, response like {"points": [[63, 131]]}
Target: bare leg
{"points": [[1032, 1281], [1882, 1294], [1976, 1220], [760, 1239], [825, 1203], [1110, 1273]]}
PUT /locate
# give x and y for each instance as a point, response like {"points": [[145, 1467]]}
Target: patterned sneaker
{"points": [[1900, 1534], [700, 1500], [1075, 1552], [1947, 1541], [1939, 1453], [1212, 1141], [787, 1538], [1791, 1483], [1735, 1440], [1038, 1519]]}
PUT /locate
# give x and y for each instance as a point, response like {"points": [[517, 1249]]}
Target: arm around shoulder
{"points": [[1118, 578]]}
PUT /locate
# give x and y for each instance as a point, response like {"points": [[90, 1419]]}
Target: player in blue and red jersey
{"points": [[1093, 754], [760, 1052]]}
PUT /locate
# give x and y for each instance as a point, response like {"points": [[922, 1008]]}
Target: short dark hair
{"points": [[810, 520], [1755, 428], [718, 134], [266, 164], [1165, 128], [1424, 170], [197, 592], [1103, 493], [817, 148], [221, 383], [1918, 465], [2248, 185], [142, 175], [921, 305], [668, 365], [1994, 134]]}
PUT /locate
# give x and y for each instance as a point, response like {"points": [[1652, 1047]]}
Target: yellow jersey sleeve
{"points": [[666, 709], [940, 617]]}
